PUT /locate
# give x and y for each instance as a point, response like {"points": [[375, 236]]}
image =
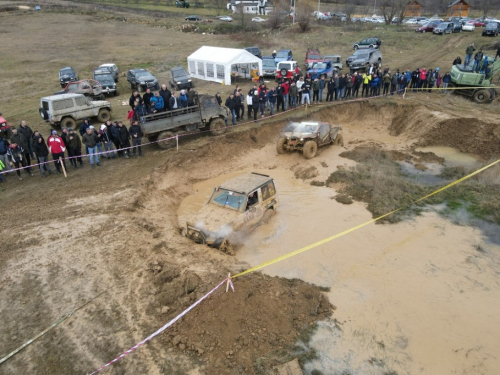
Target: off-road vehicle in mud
{"points": [[88, 87], [307, 137], [66, 109], [205, 113], [235, 207]]}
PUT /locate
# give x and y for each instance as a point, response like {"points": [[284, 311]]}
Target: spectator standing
{"points": [[315, 88], [131, 102], [4, 147], [394, 82], [366, 85], [477, 61], [348, 86], [431, 80], [191, 94], [123, 139], [17, 159], [140, 109], [374, 85], [322, 86], [74, 146], [439, 79], [147, 99], [136, 135], [300, 82], [293, 93], [90, 140], [468, 54], [446, 81], [22, 142], [166, 95], [306, 91], [242, 104], [230, 105], [28, 133], [174, 102], [262, 100], [249, 104], [255, 103], [115, 133], [237, 104], [57, 148], [279, 97], [271, 97], [218, 98], [342, 83], [358, 81], [423, 79], [107, 141], [159, 104], [183, 99], [387, 83], [286, 90], [42, 152]]}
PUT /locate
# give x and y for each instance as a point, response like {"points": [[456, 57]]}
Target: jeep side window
{"points": [[62, 104], [253, 198], [81, 101]]}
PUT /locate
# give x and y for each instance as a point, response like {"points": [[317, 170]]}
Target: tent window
{"points": [[201, 68], [192, 68], [210, 70], [220, 71]]}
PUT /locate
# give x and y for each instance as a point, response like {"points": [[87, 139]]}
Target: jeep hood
{"points": [[213, 218], [299, 134]]}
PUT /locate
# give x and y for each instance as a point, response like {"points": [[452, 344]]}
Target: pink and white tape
{"points": [[164, 327]]}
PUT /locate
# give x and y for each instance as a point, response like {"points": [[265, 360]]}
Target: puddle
{"points": [[413, 297], [453, 157], [428, 177]]}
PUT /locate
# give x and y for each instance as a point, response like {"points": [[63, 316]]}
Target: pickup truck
{"points": [[206, 113]]}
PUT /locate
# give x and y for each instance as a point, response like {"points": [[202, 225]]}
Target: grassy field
{"points": [[130, 40]]}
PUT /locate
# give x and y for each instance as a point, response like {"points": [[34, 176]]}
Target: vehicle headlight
{"points": [[142, 82], [301, 139], [179, 83], [189, 80]]}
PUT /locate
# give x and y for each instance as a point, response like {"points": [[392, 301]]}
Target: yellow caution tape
{"points": [[316, 244]]}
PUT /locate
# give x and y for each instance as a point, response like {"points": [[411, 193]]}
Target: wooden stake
{"points": [[177, 141], [228, 280], [62, 165]]}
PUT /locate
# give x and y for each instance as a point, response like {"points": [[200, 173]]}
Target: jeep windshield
{"points": [[313, 57], [282, 55], [104, 79], [65, 72], [319, 65], [301, 127], [226, 198]]}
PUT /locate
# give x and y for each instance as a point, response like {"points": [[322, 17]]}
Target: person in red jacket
{"points": [[57, 148], [286, 87]]}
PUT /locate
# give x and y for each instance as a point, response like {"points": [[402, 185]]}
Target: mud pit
{"points": [[417, 297]]}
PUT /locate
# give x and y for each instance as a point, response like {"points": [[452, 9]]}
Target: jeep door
{"points": [[254, 212], [323, 134], [84, 108]]}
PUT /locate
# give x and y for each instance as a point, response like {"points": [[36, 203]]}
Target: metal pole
{"points": [[319, 1], [374, 5]]}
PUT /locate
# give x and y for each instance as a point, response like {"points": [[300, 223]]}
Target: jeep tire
{"points": [[68, 122], [280, 146], [339, 140], [166, 144], [104, 115], [310, 149], [217, 126]]}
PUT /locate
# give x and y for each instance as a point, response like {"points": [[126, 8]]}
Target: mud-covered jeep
{"points": [[307, 137], [235, 207]]}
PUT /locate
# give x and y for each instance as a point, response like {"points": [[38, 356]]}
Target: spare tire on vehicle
{"points": [[44, 114], [284, 72]]}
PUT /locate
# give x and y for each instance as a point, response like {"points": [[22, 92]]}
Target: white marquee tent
{"points": [[217, 63]]}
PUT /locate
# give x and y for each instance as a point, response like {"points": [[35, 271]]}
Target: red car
{"points": [[4, 128], [428, 27], [312, 56], [479, 23]]}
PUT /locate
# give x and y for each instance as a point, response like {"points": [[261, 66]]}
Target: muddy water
{"points": [[453, 157], [419, 297]]}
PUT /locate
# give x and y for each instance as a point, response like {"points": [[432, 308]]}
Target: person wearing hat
{"points": [[274, 54], [74, 144], [17, 158], [56, 148], [42, 152], [90, 139], [108, 142]]}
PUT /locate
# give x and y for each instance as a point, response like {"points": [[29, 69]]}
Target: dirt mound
{"points": [[241, 332]]}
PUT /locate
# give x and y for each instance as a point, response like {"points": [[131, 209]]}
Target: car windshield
{"points": [[104, 78], [491, 25], [313, 56], [226, 198], [301, 127], [268, 64], [179, 73], [66, 72], [282, 54], [142, 74], [319, 65]]}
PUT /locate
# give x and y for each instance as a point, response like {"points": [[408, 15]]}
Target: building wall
{"points": [[458, 10]]}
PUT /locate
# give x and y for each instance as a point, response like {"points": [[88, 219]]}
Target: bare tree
{"points": [[390, 8], [218, 5], [303, 16], [279, 14], [242, 17], [486, 6], [349, 7]]}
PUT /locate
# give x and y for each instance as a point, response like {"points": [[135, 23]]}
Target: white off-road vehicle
{"points": [[66, 109]]}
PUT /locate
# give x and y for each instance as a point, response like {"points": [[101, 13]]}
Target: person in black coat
{"points": [[114, 137], [131, 102], [230, 104], [146, 98], [330, 89], [135, 133], [123, 138], [255, 104], [166, 95], [42, 151]]}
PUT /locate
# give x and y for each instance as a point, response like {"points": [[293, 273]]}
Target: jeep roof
{"points": [[245, 183], [306, 127], [61, 96]]}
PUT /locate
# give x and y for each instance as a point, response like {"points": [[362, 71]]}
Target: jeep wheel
{"points": [[339, 140], [104, 115], [130, 85], [68, 122], [355, 47], [217, 126], [267, 216], [226, 247], [43, 114], [117, 93], [280, 146], [481, 96], [310, 149], [164, 143]]}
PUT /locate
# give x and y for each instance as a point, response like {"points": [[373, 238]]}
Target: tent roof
{"points": [[220, 55]]}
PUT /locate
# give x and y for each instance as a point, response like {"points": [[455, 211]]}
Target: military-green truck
{"points": [[205, 114], [478, 85]]}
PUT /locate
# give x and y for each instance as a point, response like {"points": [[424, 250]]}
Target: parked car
{"points": [[444, 28], [179, 78], [283, 55], [428, 27], [321, 68], [336, 61], [436, 19], [367, 43], [422, 21], [258, 19], [141, 79], [65, 110], [193, 17], [255, 50], [181, 4], [457, 26], [235, 208], [491, 29], [396, 20], [66, 75], [226, 19], [107, 81], [285, 69], [312, 56], [5, 130], [468, 26], [307, 137], [479, 23], [361, 59], [410, 21], [268, 66], [113, 69]]}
